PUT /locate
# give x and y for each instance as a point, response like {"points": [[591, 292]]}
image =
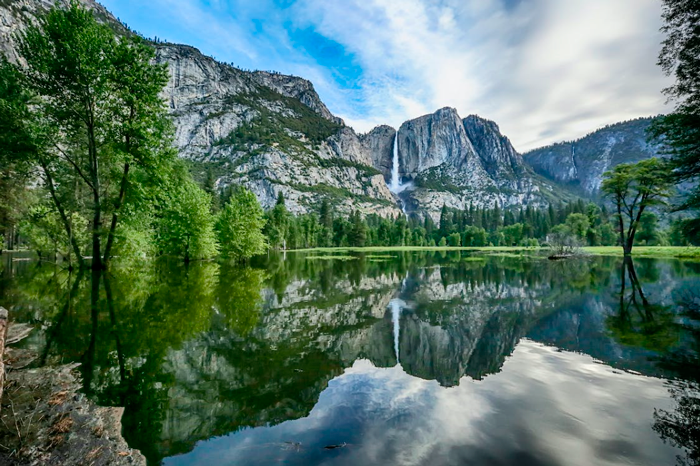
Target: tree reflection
{"points": [[681, 427], [639, 322]]}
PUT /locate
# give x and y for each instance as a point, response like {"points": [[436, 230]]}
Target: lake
{"points": [[389, 358]]}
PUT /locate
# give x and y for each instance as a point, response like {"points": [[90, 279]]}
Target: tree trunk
{"points": [[3, 335], [115, 215], [62, 214]]}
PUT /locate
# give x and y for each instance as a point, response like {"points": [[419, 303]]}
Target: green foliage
{"points": [[512, 234], [357, 236], [633, 188], [186, 226], [578, 225], [239, 226], [87, 110], [679, 131], [277, 224], [45, 234]]}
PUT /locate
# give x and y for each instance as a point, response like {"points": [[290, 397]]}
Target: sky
{"points": [[544, 70]]}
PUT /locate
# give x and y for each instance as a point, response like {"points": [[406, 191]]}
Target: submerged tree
{"points": [[633, 188]]}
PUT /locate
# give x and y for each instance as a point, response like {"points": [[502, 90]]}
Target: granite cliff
{"points": [[579, 165], [457, 162]]}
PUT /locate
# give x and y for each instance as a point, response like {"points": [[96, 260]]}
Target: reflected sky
{"points": [[546, 407]]}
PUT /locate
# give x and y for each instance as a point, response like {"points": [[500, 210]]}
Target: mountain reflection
{"points": [[202, 351]]}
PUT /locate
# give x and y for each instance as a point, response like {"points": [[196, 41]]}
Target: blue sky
{"points": [[544, 70]]}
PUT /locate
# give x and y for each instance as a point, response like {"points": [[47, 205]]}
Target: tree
{"points": [[186, 229], [18, 146], [326, 220], [239, 226], [454, 240], [445, 221], [648, 229], [512, 234], [607, 235], [97, 116], [277, 226], [358, 231], [633, 188], [578, 225], [562, 240], [680, 130]]}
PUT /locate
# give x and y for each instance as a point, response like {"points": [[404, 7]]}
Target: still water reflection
{"points": [[392, 358]]}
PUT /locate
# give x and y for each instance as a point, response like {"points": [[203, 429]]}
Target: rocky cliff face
{"points": [[380, 144], [459, 162], [580, 164], [271, 133]]}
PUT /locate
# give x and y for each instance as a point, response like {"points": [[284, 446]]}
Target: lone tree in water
{"points": [[95, 118], [633, 188], [680, 130]]}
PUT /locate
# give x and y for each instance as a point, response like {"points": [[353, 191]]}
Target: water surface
{"points": [[384, 358]]}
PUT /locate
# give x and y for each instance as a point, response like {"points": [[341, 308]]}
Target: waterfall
{"points": [[395, 306], [395, 186]]}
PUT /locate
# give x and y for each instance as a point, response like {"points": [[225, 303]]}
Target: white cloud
{"points": [[544, 70]]}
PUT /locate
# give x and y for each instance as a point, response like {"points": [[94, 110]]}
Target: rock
{"points": [[457, 162], [380, 144], [580, 164], [58, 425]]}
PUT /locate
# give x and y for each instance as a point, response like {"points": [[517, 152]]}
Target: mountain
{"points": [[447, 160], [272, 133], [579, 165], [267, 131]]}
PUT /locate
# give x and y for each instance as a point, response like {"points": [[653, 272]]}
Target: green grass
{"points": [[331, 258], [416, 248], [685, 252], [639, 251]]}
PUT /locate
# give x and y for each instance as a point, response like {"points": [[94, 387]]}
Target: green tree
{"points": [[239, 226], [578, 225], [358, 231], [97, 116], [633, 188], [680, 130], [454, 240], [512, 234], [186, 229], [648, 232], [277, 226]]}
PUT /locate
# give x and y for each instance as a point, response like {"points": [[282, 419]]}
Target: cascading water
{"points": [[395, 305], [395, 185]]}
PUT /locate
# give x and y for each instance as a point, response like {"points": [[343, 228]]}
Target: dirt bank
{"points": [[45, 420]]}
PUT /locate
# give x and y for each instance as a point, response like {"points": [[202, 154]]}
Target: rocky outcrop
{"points": [[298, 88], [380, 144], [457, 162], [271, 133], [581, 164]]}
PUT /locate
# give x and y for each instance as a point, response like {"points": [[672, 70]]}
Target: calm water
{"points": [[390, 359]]}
